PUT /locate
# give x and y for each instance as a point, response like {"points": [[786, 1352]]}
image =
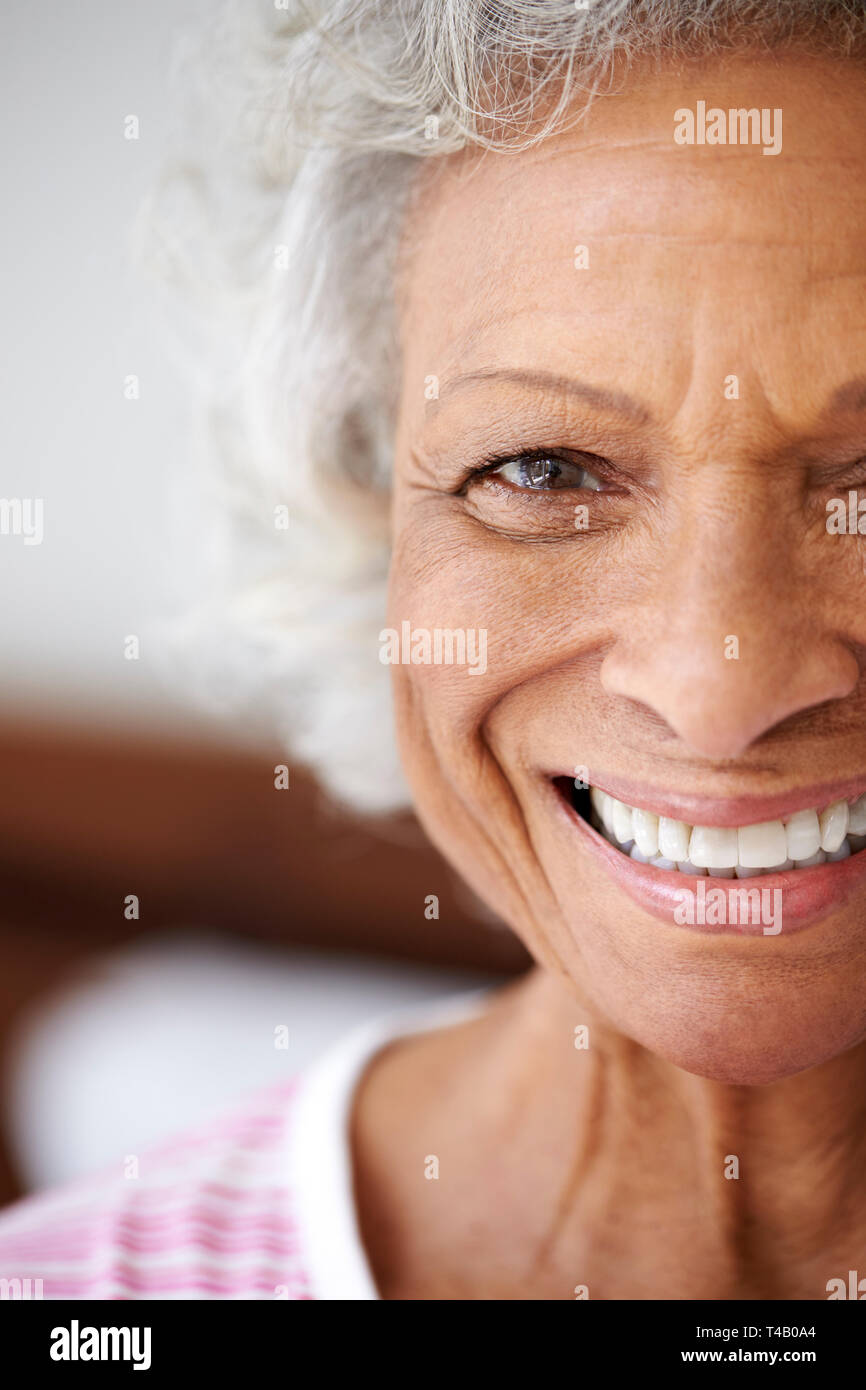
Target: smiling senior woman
{"points": [[567, 315]]}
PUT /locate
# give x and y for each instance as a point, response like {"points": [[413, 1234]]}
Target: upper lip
{"points": [[729, 810]]}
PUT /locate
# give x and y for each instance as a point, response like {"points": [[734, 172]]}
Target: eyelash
{"points": [[599, 466]]}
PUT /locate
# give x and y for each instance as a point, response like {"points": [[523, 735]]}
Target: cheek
{"points": [[527, 607], [445, 577], [451, 622], [462, 734]]}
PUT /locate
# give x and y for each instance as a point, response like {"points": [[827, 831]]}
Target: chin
{"points": [[748, 1060], [718, 1014]]}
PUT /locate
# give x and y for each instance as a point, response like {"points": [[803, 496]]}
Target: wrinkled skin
{"points": [[606, 648]]}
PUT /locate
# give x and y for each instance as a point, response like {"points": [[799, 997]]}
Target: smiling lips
{"points": [[822, 868], [799, 841]]}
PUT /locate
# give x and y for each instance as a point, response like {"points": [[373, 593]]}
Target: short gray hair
{"points": [[311, 117]]}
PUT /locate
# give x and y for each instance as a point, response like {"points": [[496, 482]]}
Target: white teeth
{"points": [[602, 804], [843, 852], [713, 847], [834, 826], [857, 817], [803, 835], [803, 841], [674, 838], [742, 872], [646, 831], [661, 863], [622, 830], [812, 861], [762, 846]]}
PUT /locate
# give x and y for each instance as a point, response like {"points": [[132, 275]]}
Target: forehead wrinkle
{"points": [[496, 278], [758, 226]]}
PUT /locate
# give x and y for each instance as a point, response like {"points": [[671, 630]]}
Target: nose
{"points": [[729, 639]]}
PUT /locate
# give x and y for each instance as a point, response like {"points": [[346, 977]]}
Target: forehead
{"points": [[719, 253]]}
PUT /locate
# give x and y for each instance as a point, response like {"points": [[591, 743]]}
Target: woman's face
{"points": [[666, 613]]}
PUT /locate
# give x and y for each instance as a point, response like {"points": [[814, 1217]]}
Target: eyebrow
{"points": [[849, 398], [602, 398]]}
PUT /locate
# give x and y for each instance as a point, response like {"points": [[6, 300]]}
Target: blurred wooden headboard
{"points": [[202, 837]]}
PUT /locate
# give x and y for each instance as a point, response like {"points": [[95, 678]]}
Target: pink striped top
{"points": [[207, 1216], [256, 1205]]}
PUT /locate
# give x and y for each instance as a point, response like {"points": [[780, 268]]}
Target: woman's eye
{"points": [[542, 474]]}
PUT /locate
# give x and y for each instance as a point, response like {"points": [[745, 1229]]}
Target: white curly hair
{"points": [[309, 121]]}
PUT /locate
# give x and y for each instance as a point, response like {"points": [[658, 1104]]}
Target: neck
{"points": [[604, 1166], [756, 1187]]}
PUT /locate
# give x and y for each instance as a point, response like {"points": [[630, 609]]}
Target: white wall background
{"points": [[76, 319]]}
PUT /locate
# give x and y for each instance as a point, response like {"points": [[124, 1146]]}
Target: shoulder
{"points": [[208, 1215]]}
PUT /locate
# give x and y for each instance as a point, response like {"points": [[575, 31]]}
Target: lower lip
{"points": [[808, 895]]}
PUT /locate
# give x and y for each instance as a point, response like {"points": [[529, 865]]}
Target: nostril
{"points": [[718, 704]]}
